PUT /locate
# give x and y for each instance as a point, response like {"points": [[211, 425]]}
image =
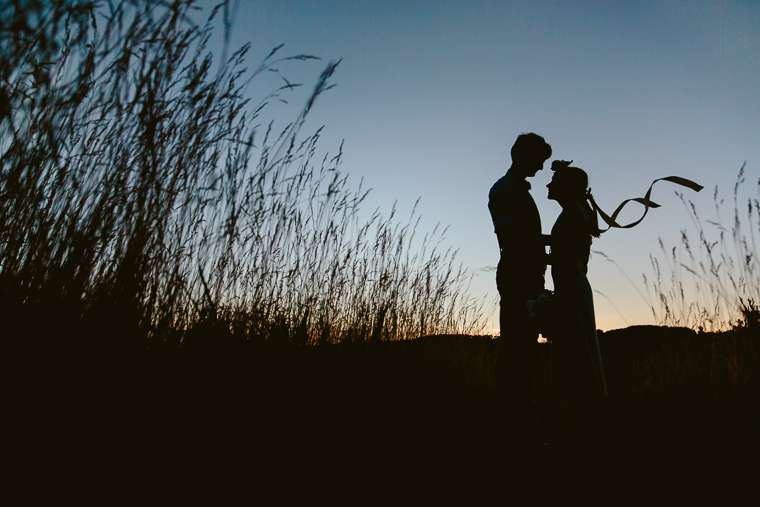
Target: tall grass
{"points": [[713, 283], [145, 200]]}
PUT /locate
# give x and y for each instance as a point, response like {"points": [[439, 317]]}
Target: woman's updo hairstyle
{"points": [[574, 182]]}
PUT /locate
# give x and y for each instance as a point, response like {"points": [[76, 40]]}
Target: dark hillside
{"points": [[424, 407]]}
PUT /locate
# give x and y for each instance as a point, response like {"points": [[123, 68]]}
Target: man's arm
{"points": [[501, 206]]}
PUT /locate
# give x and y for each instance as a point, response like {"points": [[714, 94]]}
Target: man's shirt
{"points": [[517, 225]]}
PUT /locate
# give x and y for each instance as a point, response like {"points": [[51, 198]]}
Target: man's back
{"points": [[517, 225]]}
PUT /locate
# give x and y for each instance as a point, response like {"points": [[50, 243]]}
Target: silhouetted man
{"points": [[519, 276]]}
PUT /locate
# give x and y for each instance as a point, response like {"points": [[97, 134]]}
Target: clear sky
{"points": [[431, 94]]}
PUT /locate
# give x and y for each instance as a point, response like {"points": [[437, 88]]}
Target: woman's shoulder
{"points": [[573, 220], [572, 213], [580, 213]]}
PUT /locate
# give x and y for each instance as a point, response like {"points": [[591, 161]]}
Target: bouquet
{"points": [[543, 312]]}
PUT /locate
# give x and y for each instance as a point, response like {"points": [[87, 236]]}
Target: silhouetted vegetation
{"points": [[148, 205], [145, 200], [712, 285]]}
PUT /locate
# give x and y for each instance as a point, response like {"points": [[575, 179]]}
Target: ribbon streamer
{"points": [[611, 221]]}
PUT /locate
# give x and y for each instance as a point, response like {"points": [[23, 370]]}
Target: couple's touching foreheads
{"points": [[565, 315]]}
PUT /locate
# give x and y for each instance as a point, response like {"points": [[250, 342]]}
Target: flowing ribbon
{"points": [[645, 201]]}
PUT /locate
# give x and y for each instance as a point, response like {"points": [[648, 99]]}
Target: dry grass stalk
{"points": [[712, 285], [144, 198]]}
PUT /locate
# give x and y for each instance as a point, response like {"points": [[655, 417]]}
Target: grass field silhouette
{"points": [[184, 283]]}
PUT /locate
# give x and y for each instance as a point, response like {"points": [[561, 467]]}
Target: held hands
{"points": [[546, 241]]}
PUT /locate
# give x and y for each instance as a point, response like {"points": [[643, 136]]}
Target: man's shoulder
{"points": [[503, 184]]}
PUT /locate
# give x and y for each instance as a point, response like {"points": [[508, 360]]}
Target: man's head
{"points": [[529, 153]]}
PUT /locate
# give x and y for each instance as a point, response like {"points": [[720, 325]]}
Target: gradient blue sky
{"points": [[431, 94]]}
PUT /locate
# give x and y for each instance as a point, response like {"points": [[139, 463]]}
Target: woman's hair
{"points": [[574, 181]]}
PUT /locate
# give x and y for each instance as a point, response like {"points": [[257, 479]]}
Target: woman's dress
{"points": [[578, 388]]}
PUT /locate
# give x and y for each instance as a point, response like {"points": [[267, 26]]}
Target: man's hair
{"points": [[530, 146]]}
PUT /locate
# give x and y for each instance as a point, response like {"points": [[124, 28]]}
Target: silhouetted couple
{"points": [[578, 390]]}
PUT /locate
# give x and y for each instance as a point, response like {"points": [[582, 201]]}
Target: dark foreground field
{"points": [[419, 415]]}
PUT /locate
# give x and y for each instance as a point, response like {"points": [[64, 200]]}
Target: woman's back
{"points": [[570, 248]]}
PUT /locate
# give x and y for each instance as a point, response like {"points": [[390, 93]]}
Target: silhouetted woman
{"points": [[579, 392]]}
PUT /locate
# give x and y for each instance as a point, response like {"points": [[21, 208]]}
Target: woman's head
{"points": [[568, 183]]}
